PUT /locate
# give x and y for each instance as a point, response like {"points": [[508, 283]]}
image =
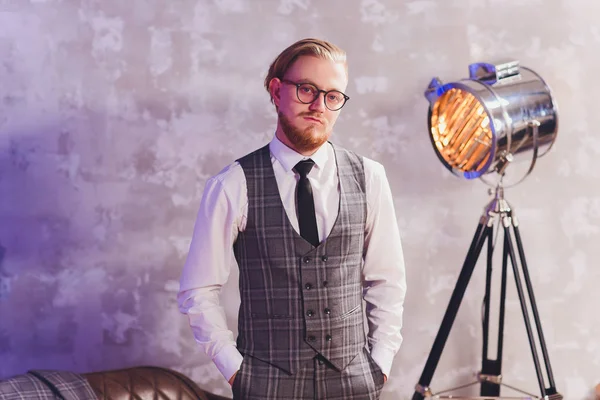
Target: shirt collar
{"points": [[288, 158]]}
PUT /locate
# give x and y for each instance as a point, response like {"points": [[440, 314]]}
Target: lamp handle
{"points": [[534, 125]]}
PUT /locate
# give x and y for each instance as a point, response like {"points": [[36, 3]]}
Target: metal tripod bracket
{"points": [[498, 214], [497, 379]]}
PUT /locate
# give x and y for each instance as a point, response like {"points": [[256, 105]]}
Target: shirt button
{"points": [[327, 311], [324, 258], [325, 283], [308, 286], [328, 338], [310, 313], [306, 260], [321, 362], [311, 338]]}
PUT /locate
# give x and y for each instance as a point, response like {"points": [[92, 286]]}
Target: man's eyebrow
{"points": [[306, 80]]}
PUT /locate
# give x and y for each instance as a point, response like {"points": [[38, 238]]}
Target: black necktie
{"points": [[306, 206]]}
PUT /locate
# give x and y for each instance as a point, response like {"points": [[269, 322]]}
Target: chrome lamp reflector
{"points": [[480, 124]]}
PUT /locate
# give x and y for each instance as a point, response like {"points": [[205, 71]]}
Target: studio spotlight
{"points": [[478, 127]]}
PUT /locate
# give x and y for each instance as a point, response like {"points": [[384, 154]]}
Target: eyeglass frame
{"points": [[319, 91]]}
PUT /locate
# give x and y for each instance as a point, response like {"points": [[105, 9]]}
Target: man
{"points": [[313, 230]]}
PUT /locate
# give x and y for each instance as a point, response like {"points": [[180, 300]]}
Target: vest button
{"points": [[311, 338], [310, 313], [308, 286], [328, 338], [306, 260], [324, 258], [327, 311]]}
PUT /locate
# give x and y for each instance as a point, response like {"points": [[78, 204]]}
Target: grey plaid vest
{"points": [[298, 300]]}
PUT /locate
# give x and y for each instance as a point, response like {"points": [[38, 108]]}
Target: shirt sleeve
{"points": [[206, 269], [384, 278]]}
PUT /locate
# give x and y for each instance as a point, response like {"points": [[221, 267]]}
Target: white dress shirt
{"points": [[222, 215]]}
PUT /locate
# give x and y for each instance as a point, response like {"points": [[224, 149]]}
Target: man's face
{"points": [[305, 127]]}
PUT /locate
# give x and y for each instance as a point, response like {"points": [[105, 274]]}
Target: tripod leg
{"points": [[481, 235], [492, 369], [513, 258], [552, 389]]}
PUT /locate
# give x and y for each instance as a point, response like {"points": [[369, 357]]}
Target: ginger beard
{"points": [[307, 139]]}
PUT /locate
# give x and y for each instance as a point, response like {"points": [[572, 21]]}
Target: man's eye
{"points": [[334, 97]]}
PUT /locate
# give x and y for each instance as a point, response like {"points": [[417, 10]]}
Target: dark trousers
{"points": [[362, 379]]}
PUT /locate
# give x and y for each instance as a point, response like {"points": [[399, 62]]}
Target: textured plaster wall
{"points": [[114, 113]]}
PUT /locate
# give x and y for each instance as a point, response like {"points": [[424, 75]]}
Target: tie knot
{"points": [[304, 167]]}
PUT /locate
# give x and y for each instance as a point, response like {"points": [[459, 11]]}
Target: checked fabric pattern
{"points": [[46, 385], [299, 301]]}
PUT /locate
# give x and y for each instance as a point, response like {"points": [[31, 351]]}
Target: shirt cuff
{"points": [[228, 361], [383, 357]]}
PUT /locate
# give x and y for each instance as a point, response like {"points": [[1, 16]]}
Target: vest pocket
{"points": [[348, 314], [270, 316]]}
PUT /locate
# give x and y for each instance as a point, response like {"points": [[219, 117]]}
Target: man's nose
{"points": [[319, 103]]}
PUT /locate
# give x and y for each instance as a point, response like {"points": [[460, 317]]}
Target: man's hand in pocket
{"points": [[232, 379]]}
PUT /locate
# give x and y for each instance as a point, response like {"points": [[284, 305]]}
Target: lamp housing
{"points": [[502, 112]]}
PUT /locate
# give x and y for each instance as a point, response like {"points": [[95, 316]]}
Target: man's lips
{"points": [[314, 119]]}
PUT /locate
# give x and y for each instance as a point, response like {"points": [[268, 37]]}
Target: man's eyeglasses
{"points": [[307, 93]]}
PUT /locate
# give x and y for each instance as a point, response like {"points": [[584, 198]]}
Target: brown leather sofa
{"points": [[152, 383]]}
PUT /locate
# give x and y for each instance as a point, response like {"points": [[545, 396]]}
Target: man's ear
{"points": [[274, 89]]}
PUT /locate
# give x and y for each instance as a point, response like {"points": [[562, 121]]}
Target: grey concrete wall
{"points": [[114, 113]]}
